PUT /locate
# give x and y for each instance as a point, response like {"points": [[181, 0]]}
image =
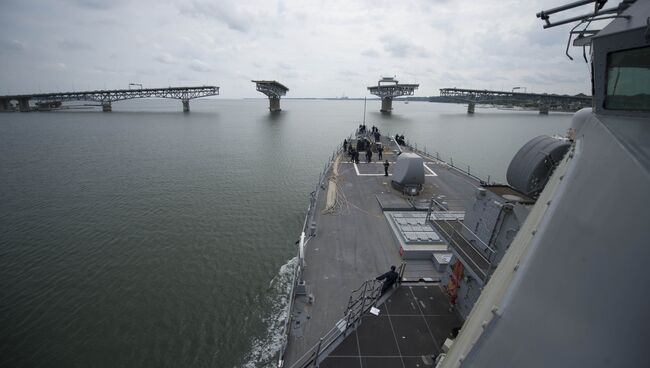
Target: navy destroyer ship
{"points": [[546, 270]]}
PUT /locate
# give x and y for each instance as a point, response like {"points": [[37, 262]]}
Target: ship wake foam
{"points": [[264, 350]]}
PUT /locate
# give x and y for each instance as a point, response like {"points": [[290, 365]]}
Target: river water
{"points": [[147, 237]]}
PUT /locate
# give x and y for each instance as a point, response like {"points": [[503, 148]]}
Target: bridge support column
{"points": [[543, 109], [470, 107], [274, 104], [4, 104], [107, 107], [186, 105], [23, 105], [386, 104]]}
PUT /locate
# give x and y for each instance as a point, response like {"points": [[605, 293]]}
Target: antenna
{"points": [[585, 35]]}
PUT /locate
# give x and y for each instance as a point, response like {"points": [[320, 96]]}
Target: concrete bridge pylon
{"points": [[388, 88], [274, 90]]}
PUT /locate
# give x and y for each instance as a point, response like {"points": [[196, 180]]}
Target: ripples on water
{"points": [[149, 237]]}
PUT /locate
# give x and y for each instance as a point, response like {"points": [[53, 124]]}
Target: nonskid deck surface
{"points": [[354, 242], [411, 326]]}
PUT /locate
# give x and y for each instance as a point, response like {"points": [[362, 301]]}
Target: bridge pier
{"points": [[4, 104], [107, 107], [387, 89], [386, 104], [470, 107], [543, 109], [186, 105], [274, 90], [274, 104], [23, 104]]}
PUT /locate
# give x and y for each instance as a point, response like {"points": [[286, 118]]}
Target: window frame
{"points": [[607, 86]]}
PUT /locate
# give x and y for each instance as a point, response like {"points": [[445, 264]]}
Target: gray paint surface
{"points": [[565, 309], [409, 169]]}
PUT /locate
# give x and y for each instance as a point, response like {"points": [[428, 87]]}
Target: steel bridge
{"points": [[106, 97], [529, 101], [274, 90], [389, 90]]}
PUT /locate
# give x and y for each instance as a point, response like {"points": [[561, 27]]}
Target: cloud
{"points": [[321, 48], [13, 46], [74, 45], [54, 66], [284, 66], [481, 77], [547, 37], [370, 53], [223, 12], [281, 7], [106, 69], [200, 66], [97, 4], [402, 48], [551, 78], [165, 58], [346, 73], [143, 71]]}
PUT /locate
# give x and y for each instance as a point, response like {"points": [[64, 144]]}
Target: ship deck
{"points": [[409, 330], [355, 242]]}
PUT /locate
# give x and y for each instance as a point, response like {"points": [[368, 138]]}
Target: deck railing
{"points": [[457, 165], [435, 155], [305, 236], [361, 301]]}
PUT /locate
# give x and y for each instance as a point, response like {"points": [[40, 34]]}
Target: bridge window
{"points": [[628, 80]]}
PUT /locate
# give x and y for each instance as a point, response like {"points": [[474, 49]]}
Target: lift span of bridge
{"points": [[388, 88], [273, 90], [107, 97], [534, 101]]}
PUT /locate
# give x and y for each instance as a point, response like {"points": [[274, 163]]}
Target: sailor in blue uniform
{"points": [[389, 278]]}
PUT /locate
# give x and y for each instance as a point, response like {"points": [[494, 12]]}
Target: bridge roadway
{"points": [[537, 101], [106, 97]]}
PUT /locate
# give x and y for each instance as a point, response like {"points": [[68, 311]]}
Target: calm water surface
{"points": [[147, 237]]}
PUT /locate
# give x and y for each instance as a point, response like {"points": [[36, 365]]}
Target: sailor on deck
{"points": [[389, 278]]}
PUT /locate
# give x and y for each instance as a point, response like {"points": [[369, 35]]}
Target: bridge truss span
{"points": [[106, 97], [393, 91], [532, 101]]}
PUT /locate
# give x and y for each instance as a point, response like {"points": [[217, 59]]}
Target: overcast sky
{"points": [[316, 48]]}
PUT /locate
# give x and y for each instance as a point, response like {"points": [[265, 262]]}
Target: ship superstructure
{"points": [[562, 295]]}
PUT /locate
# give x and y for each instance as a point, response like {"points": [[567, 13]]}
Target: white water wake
{"points": [[264, 350]]}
